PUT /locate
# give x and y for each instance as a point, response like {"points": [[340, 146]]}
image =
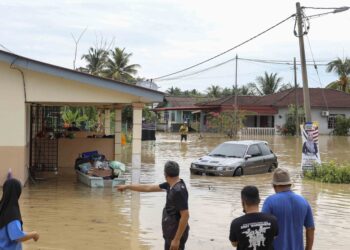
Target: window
{"points": [[254, 151], [172, 116], [264, 149], [332, 118]]}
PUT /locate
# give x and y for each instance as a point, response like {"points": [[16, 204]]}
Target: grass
{"points": [[330, 172]]}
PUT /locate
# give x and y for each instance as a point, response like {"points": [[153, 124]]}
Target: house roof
{"points": [[319, 98], [182, 101], [146, 94]]}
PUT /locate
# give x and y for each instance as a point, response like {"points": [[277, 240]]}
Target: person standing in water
{"points": [[184, 131], [175, 213], [11, 225]]}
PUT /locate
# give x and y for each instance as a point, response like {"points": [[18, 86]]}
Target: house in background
{"points": [[263, 113], [175, 110]]}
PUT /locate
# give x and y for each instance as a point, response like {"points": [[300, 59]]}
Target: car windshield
{"points": [[229, 150]]}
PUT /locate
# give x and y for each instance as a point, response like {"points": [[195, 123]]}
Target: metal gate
{"points": [[46, 126]]}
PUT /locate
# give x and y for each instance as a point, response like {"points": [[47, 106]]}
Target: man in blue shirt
{"points": [[293, 212]]}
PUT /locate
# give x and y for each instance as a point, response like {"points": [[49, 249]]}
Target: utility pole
{"points": [[303, 65], [296, 99], [236, 93]]}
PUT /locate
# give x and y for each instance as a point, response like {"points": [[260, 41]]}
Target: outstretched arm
{"points": [[140, 188], [31, 235]]}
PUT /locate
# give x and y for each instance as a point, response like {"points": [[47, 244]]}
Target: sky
{"points": [[165, 36]]}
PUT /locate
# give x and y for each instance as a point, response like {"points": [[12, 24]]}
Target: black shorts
{"points": [[184, 137], [182, 241]]}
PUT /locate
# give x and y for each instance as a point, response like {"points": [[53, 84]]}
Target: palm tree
{"points": [[342, 68], [174, 91], [267, 84], [214, 91], [96, 59], [244, 90], [118, 68]]}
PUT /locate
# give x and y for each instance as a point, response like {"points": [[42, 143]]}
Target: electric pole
{"points": [[296, 99], [303, 65], [236, 93]]}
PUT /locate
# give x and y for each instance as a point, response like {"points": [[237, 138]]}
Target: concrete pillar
{"points": [[107, 122], [117, 133], [201, 122], [258, 122], [136, 141]]}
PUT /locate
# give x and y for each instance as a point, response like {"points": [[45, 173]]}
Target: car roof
{"points": [[246, 142]]}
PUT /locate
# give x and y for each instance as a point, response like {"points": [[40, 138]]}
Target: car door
{"points": [[256, 160], [269, 157]]}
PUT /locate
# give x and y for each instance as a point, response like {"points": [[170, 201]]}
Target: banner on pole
{"points": [[310, 150]]}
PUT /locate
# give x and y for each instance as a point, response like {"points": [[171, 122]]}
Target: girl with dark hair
{"points": [[11, 231]]}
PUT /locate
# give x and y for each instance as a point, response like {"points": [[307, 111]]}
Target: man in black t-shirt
{"points": [[175, 213], [254, 230]]}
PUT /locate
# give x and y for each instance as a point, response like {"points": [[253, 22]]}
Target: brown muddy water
{"points": [[69, 215]]}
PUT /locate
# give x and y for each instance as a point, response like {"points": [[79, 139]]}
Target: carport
{"points": [[29, 88]]}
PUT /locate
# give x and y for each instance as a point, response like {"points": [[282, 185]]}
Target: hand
{"points": [[122, 188], [175, 244], [35, 236]]}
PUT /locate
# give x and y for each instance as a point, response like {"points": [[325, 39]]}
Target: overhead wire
{"points": [[226, 51], [318, 75], [266, 61]]}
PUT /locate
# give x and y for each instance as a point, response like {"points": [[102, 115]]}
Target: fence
{"points": [[258, 131]]}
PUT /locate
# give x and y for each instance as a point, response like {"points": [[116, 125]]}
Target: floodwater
{"points": [[69, 215]]}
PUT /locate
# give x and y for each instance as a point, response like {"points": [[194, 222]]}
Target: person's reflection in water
{"points": [[183, 149]]}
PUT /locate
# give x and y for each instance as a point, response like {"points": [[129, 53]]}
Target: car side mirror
{"points": [[247, 157]]}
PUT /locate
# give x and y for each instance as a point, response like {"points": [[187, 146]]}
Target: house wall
{"points": [[281, 118], [14, 139], [46, 88]]}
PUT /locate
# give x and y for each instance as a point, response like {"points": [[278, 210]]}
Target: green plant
{"points": [[289, 128], [342, 125], [228, 122], [330, 172]]}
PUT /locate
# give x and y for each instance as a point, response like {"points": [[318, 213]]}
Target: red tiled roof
{"points": [[320, 98], [180, 101]]}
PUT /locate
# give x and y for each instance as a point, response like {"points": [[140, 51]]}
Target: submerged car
{"points": [[235, 158]]}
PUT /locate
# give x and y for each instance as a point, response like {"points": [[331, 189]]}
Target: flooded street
{"points": [[69, 215]]}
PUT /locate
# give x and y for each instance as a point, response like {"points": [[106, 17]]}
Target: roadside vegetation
{"points": [[330, 172]]}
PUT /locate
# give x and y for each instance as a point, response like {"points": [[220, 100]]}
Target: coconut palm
{"points": [[118, 67], [96, 59], [174, 91], [267, 84], [342, 69], [214, 91]]}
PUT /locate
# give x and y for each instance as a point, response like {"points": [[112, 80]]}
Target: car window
{"points": [[265, 149], [254, 151], [229, 150]]}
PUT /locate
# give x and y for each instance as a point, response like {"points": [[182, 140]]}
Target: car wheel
{"points": [[238, 172], [272, 168]]}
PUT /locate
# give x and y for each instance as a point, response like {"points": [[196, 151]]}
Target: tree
{"points": [[244, 90], [342, 69], [96, 60], [228, 122], [118, 68], [214, 91], [294, 112], [267, 84], [174, 91]]}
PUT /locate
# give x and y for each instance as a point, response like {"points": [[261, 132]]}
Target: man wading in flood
{"points": [[175, 213]]}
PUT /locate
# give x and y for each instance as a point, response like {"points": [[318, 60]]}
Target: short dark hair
{"points": [[250, 195], [171, 169]]}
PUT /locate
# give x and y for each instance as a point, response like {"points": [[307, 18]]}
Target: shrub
{"points": [[342, 125], [330, 172]]}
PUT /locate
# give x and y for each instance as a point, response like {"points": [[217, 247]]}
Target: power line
{"points": [[222, 53], [266, 61]]}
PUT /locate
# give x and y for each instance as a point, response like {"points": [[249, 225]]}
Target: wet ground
{"points": [[69, 215]]}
